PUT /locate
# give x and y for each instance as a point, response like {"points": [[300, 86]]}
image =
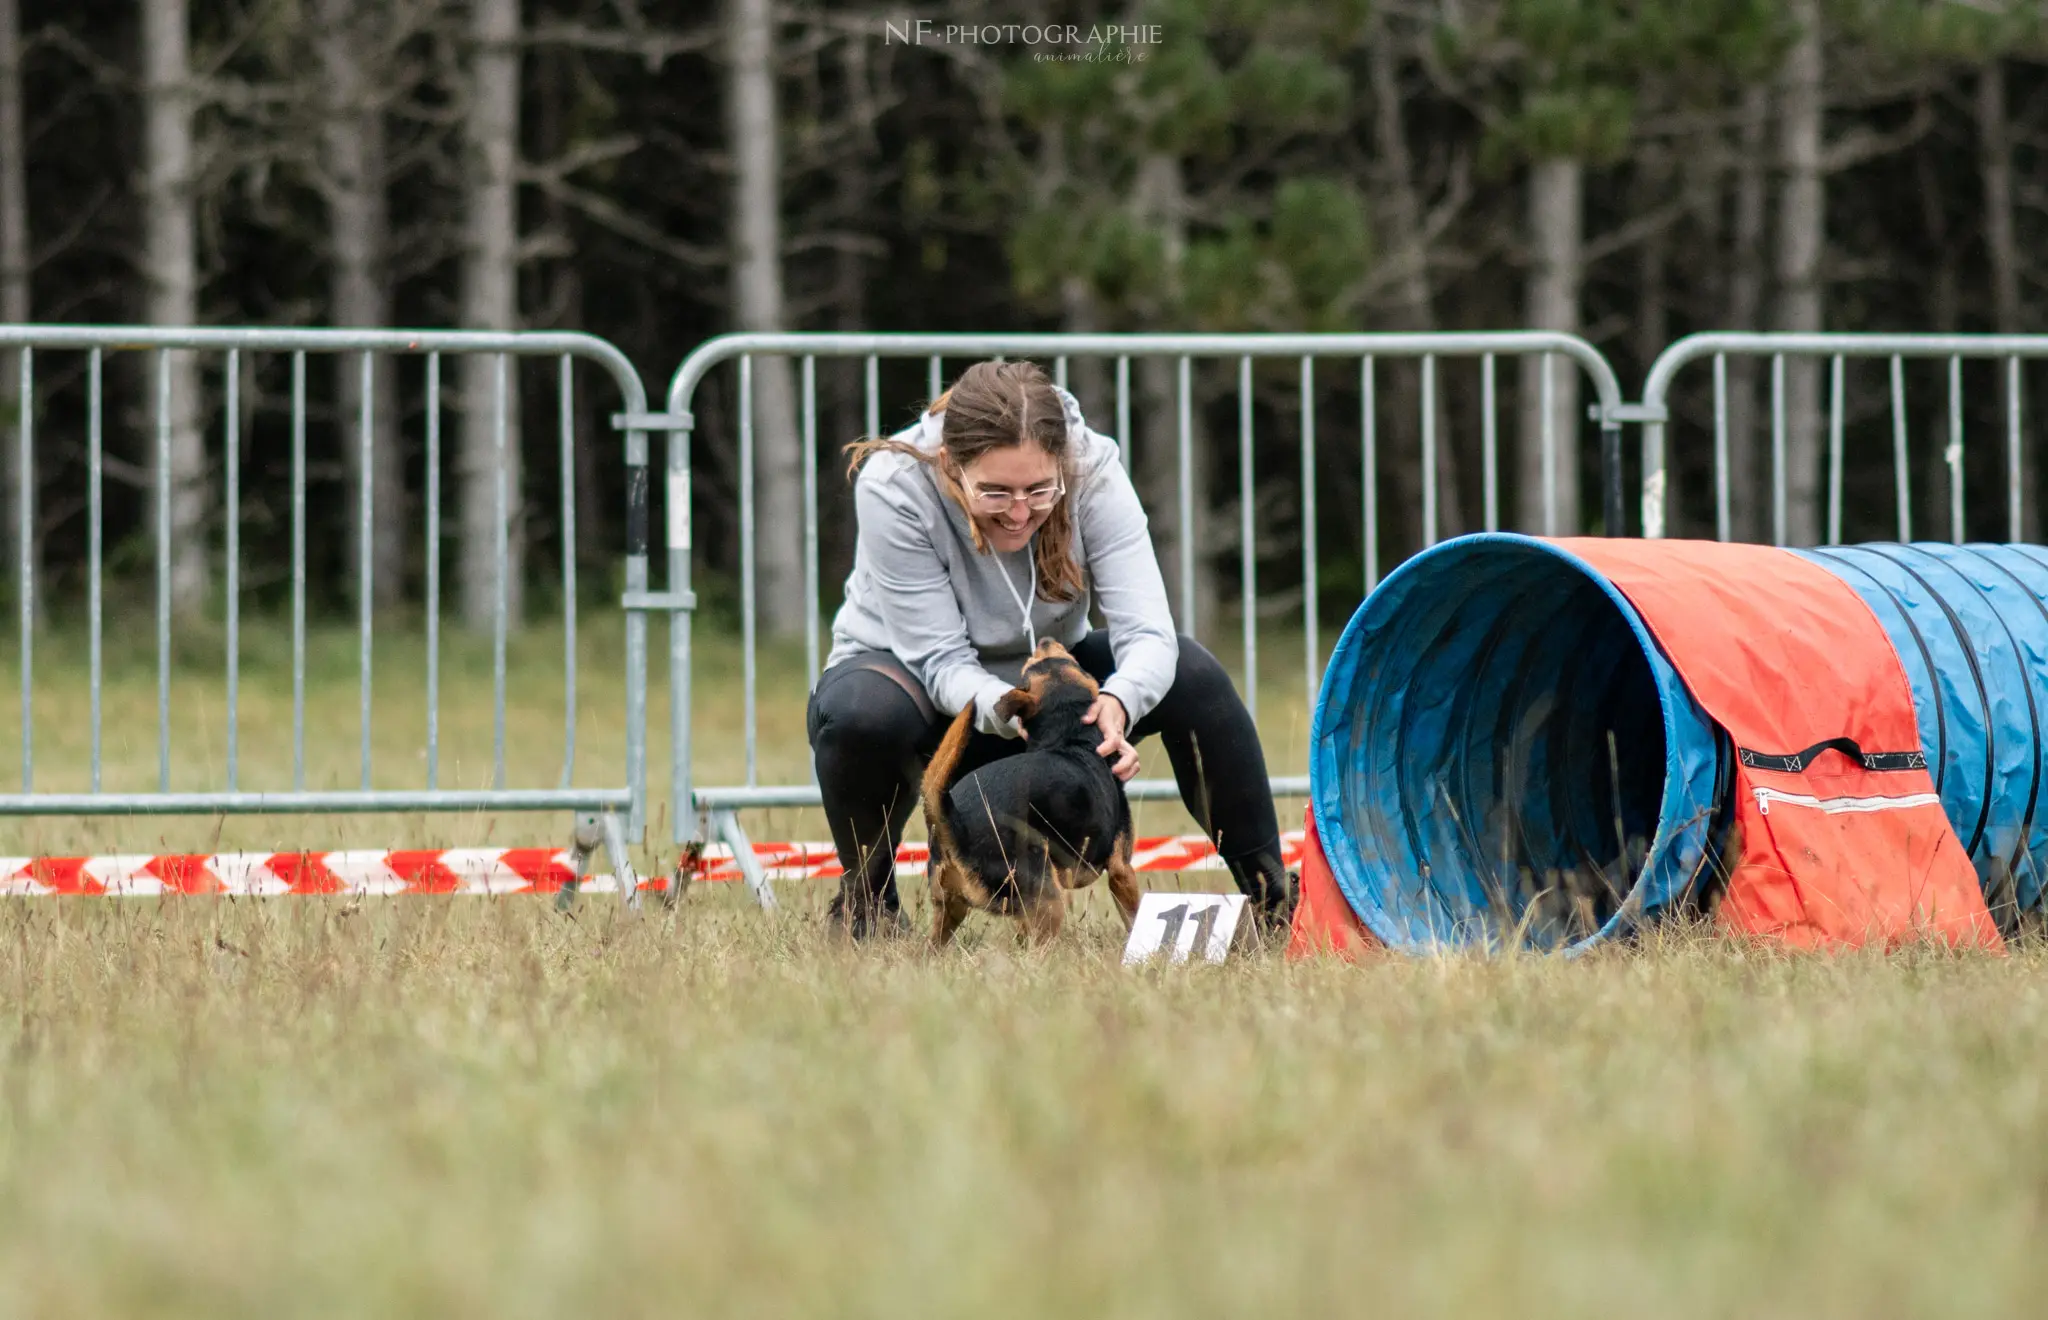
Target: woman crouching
{"points": [[990, 525]]}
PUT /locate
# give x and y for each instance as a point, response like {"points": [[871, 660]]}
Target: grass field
{"points": [[485, 1108], [481, 1108]]}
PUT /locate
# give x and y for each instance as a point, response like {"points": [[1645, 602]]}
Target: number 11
{"points": [[1175, 917]]}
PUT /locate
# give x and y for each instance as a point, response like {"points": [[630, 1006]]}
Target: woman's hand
{"points": [[1109, 716]]}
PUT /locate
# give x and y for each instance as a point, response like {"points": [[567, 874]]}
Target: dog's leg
{"points": [[949, 907], [1123, 879], [951, 912], [1043, 919]]}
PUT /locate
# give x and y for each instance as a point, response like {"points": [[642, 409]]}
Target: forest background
{"points": [[660, 173]]}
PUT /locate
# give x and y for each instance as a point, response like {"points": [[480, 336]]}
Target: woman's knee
{"points": [[1194, 670], [1198, 673], [865, 715], [1201, 693]]}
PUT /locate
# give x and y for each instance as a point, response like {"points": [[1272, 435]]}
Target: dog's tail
{"points": [[938, 776]]}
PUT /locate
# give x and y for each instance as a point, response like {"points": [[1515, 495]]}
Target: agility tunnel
{"points": [[1553, 743]]}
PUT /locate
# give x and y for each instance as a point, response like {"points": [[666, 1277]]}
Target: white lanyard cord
{"points": [[1030, 633]]}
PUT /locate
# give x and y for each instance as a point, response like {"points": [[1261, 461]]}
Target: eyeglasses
{"points": [[998, 499]]}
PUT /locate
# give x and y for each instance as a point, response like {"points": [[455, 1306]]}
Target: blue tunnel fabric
{"points": [[1502, 754], [1970, 625]]}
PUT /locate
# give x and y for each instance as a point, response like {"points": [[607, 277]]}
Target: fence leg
{"points": [[589, 833], [622, 861], [726, 825]]}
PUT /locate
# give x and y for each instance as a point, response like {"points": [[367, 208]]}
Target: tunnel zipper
{"points": [[1766, 796]]}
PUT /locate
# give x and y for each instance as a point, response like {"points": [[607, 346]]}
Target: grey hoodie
{"points": [[920, 589]]}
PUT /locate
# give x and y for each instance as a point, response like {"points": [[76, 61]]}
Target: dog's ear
{"points": [[1017, 703]]}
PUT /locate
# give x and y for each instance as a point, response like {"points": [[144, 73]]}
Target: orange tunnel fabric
{"points": [[1840, 838]]}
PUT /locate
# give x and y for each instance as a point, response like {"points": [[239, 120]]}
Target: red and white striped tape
{"points": [[469, 870], [818, 861]]}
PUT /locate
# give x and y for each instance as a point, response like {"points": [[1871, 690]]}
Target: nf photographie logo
{"points": [[1124, 43]]}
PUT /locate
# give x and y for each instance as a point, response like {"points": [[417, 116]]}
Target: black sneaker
{"points": [[1272, 915], [865, 918]]}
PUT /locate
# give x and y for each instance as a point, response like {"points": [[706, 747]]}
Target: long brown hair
{"points": [[994, 405]]}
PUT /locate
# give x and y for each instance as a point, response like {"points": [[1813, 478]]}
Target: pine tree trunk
{"points": [[171, 275], [14, 299], [1161, 198], [1745, 257], [2001, 250], [490, 301], [556, 99], [358, 225], [1935, 519], [1414, 310], [1555, 221], [1994, 145], [751, 130], [1802, 228], [1653, 319], [592, 429], [1156, 455], [842, 419], [1089, 379]]}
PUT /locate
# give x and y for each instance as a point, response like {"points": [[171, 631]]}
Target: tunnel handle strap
{"points": [[1797, 762]]}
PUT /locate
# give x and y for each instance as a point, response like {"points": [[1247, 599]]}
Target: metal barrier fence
{"points": [[714, 810], [608, 815], [1837, 349], [614, 815]]}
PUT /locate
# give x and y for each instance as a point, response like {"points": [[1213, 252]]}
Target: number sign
{"points": [[1184, 926]]}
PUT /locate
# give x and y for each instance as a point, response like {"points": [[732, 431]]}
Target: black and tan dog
{"points": [[1013, 836]]}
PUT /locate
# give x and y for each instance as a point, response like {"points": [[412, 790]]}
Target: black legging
{"points": [[872, 728]]}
